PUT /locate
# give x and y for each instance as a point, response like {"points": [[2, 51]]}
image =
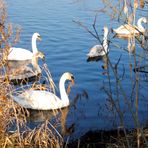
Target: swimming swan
{"points": [[128, 29], [20, 54], [26, 72], [44, 100], [100, 50]]}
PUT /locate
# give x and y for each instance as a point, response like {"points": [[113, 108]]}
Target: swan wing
{"points": [[100, 50], [95, 51], [119, 28], [37, 99], [19, 54], [126, 29], [22, 73]]}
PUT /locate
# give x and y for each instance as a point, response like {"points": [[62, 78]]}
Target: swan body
{"points": [[20, 54], [128, 29], [44, 100], [26, 72], [100, 50]]}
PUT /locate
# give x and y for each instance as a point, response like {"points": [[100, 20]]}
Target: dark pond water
{"points": [[66, 44]]}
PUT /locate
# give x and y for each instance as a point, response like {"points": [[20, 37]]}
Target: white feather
{"points": [[20, 54], [128, 29], [44, 100], [100, 50]]}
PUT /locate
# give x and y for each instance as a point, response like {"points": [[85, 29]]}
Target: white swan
{"points": [[128, 29], [26, 72], [20, 54], [100, 50], [44, 100]]}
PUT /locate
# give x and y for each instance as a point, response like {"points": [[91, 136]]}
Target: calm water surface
{"points": [[66, 44]]}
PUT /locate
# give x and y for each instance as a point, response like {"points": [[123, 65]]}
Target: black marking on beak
{"points": [[43, 58], [72, 77], [39, 38]]}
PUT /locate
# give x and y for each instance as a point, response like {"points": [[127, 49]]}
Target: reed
{"points": [[123, 11], [14, 131]]}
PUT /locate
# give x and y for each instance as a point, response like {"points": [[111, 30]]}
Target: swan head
{"points": [[40, 55], [68, 76], [144, 19], [37, 36], [105, 29]]}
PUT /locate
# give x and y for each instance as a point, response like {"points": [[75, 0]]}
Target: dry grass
{"points": [[14, 131], [107, 139], [123, 11]]}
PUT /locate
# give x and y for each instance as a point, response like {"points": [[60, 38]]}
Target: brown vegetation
{"points": [[46, 135], [11, 114]]}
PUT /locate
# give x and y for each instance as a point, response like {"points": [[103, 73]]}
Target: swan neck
{"points": [[35, 64], [34, 46], [105, 42], [64, 96], [139, 24]]}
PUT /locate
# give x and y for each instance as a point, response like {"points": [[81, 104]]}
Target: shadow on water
{"points": [[60, 116], [143, 72], [103, 59], [143, 69]]}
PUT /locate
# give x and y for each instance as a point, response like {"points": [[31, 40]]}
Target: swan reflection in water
{"points": [[60, 115]]}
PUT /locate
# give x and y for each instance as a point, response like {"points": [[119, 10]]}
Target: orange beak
{"points": [[72, 80]]}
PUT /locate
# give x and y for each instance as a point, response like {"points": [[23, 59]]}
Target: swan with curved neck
{"points": [[100, 50], [20, 54], [139, 24], [128, 29], [34, 62], [44, 100]]}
